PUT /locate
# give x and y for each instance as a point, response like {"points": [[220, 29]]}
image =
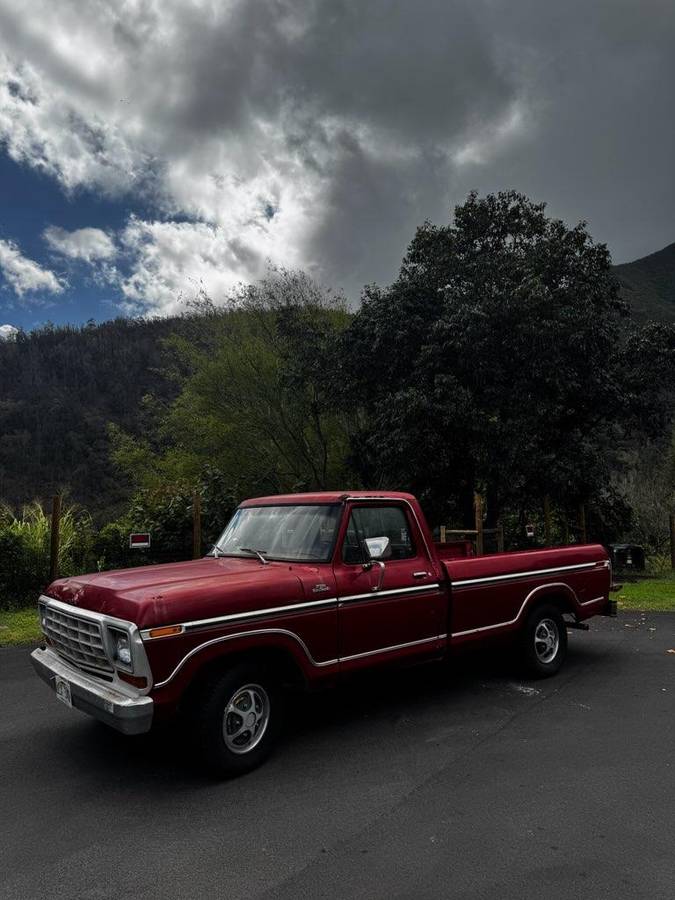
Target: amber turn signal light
{"points": [[165, 631]]}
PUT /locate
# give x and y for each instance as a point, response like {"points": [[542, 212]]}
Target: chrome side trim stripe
{"points": [[373, 595], [492, 579], [231, 637], [435, 639], [252, 614], [594, 600], [492, 627], [541, 587], [328, 662], [293, 607]]}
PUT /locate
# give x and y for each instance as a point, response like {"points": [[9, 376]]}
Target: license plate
{"points": [[62, 688]]}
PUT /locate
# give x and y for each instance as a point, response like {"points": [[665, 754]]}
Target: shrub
{"points": [[25, 550]]}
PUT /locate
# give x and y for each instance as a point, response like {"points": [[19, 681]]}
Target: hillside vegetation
{"points": [[648, 285], [500, 322], [59, 389]]}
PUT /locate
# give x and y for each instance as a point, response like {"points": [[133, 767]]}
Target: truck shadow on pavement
{"points": [[362, 712]]}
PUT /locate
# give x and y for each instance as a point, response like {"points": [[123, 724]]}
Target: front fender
{"points": [[169, 689]]}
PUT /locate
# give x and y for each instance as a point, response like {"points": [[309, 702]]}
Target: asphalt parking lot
{"points": [[467, 784]]}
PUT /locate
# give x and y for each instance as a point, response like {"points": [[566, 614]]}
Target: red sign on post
{"points": [[139, 540]]}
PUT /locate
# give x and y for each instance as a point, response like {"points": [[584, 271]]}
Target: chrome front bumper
{"points": [[130, 715]]}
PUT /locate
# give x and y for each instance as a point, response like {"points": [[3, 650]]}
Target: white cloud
{"points": [[44, 125], [172, 262], [87, 244], [236, 122], [7, 332], [25, 275]]}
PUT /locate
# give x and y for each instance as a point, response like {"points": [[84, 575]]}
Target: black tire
{"points": [[544, 641], [214, 728]]}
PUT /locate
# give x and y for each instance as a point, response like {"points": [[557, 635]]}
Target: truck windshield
{"points": [[303, 533]]}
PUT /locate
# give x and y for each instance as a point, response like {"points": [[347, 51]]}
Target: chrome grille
{"points": [[76, 639]]}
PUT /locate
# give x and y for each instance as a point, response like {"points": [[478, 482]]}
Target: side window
{"points": [[377, 521]]}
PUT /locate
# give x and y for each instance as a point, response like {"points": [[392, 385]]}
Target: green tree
{"points": [[501, 359], [254, 402]]}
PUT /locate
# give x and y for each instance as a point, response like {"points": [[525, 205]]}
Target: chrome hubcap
{"points": [[546, 640], [246, 717]]}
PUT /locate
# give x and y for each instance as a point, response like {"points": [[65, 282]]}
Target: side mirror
{"points": [[378, 548]]}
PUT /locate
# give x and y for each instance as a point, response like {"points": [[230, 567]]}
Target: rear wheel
{"points": [[544, 641], [236, 720]]}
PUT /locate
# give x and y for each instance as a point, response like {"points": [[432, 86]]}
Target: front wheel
{"points": [[544, 641], [236, 719]]}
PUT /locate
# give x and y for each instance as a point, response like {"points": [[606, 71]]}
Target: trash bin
{"points": [[628, 557]]}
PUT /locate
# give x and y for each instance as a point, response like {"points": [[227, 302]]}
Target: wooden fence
{"points": [[477, 533]]}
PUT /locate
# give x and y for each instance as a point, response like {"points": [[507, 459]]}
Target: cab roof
{"points": [[326, 497]]}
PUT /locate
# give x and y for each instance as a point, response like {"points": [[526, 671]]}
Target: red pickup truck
{"points": [[300, 590]]}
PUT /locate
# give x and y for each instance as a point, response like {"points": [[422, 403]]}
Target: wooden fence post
{"points": [[442, 534], [547, 520], [478, 515], [672, 541], [54, 538], [196, 527], [582, 523]]}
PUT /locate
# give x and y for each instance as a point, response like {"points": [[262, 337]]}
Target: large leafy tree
{"points": [[501, 360], [253, 402]]}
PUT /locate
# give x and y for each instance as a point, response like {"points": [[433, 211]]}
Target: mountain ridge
{"points": [[648, 285]]}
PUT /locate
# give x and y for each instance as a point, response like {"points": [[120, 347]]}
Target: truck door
{"points": [[394, 610]]}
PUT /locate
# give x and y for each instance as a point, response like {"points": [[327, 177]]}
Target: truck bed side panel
{"points": [[493, 593]]}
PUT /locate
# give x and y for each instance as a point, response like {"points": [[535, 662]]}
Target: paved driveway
{"points": [[418, 785]]}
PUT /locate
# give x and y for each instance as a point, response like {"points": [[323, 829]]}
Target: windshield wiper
{"points": [[258, 553]]}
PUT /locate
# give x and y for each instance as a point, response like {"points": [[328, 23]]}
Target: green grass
{"points": [[19, 626], [650, 594]]}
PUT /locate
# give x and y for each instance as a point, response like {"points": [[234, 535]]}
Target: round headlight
{"points": [[122, 648]]}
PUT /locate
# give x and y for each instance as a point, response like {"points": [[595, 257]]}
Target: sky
{"points": [[150, 151]]}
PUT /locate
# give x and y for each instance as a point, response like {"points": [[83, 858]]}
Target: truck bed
{"points": [[491, 592]]}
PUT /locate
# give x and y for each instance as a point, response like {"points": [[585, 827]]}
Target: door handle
{"points": [[419, 574]]}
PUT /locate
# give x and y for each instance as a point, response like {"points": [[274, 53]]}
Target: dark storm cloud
{"points": [[597, 86], [601, 80], [411, 83]]}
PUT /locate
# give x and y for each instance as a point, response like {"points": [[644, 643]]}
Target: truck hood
{"points": [[185, 591]]}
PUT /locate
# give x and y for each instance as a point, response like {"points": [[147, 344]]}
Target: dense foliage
{"points": [[256, 399], [59, 389], [25, 550], [502, 360]]}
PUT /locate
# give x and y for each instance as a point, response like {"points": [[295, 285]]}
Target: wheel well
{"points": [[562, 601], [274, 659]]}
